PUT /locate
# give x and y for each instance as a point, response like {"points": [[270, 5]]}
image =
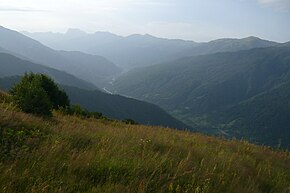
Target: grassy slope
{"points": [[69, 154]]}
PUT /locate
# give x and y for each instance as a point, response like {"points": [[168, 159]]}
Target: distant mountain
{"points": [[50, 38], [95, 69], [11, 66], [195, 88], [228, 45], [2, 50], [141, 50], [113, 106], [127, 52]]}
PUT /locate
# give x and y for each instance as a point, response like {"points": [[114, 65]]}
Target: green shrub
{"points": [[58, 97], [38, 94], [129, 122], [78, 110], [82, 112]]}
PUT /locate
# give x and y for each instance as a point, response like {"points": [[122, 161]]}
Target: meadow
{"points": [[76, 154]]}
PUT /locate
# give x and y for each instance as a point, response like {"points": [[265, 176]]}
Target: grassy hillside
{"points": [[71, 154]]}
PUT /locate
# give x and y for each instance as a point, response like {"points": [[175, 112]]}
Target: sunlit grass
{"points": [[89, 155]]}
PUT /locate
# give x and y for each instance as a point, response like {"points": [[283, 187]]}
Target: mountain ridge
{"points": [[11, 65], [41, 54], [137, 50]]}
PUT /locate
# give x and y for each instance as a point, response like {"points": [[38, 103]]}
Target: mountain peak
{"points": [[251, 38], [248, 39], [75, 32], [104, 32]]}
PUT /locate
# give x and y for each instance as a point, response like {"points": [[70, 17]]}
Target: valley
{"points": [[145, 96], [206, 86]]}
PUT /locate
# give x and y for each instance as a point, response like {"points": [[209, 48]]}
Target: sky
{"points": [[198, 20]]}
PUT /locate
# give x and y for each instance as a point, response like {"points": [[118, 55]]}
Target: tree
{"points": [[58, 97], [38, 94]]}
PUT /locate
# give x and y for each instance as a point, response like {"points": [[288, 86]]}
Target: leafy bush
{"points": [[129, 122], [38, 94], [82, 112]]}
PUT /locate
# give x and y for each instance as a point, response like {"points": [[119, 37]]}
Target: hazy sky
{"points": [[199, 20]]}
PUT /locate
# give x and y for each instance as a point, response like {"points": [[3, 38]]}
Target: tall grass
{"points": [[72, 154]]}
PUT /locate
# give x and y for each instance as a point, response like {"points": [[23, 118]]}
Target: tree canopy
{"points": [[38, 94]]}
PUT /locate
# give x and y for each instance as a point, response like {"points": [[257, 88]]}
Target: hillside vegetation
{"points": [[74, 154]]}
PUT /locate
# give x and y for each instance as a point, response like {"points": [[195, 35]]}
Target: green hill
{"points": [[72, 154], [193, 88]]}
